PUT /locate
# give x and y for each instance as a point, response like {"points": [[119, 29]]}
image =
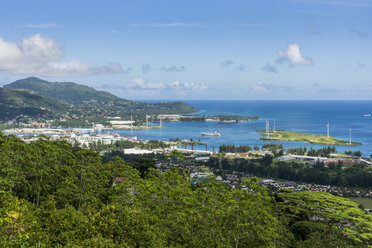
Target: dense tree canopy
{"points": [[53, 194], [358, 175]]}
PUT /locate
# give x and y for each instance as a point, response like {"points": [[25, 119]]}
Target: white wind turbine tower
{"points": [[328, 129], [350, 136], [268, 129]]}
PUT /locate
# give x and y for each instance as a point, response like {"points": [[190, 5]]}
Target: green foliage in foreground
{"points": [[333, 214], [55, 195], [310, 138]]}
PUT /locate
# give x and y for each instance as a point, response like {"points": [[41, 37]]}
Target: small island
{"points": [[310, 138]]}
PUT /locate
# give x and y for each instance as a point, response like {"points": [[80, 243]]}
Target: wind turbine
{"points": [[350, 136], [147, 121]]}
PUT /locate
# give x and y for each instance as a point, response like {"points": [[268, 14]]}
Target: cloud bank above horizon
{"points": [[43, 56]]}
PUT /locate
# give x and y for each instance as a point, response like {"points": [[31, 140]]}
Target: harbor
{"points": [[282, 115], [310, 117]]}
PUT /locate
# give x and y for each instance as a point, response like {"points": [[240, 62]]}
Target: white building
{"points": [[202, 152], [98, 127], [311, 159], [137, 151], [172, 117], [121, 122]]}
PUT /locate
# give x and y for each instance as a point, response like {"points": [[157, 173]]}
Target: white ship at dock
{"points": [[211, 134]]}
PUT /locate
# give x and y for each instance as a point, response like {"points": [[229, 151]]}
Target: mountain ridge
{"points": [[75, 103], [65, 91]]}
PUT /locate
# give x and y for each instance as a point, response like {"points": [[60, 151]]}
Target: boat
{"points": [[211, 134], [367, 115]]}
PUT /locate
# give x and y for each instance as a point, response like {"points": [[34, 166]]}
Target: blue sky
{"points": [[264, 49]]}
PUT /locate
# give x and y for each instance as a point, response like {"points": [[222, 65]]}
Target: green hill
{"points": [[20, 102], [181, 106], [64, 91], [74, 104]]}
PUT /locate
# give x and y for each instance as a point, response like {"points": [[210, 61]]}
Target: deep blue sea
{"points": [[298, 116]]}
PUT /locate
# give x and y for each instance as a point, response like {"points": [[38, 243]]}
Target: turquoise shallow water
{"points": [[297, 116]]}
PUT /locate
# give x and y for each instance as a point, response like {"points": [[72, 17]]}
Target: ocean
{"points": [[297, 116]]}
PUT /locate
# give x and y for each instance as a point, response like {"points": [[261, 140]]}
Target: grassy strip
{"points": [[366, 202], [338, 155]]}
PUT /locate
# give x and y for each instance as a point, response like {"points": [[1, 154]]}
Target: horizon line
{"points": [[138, 99]]}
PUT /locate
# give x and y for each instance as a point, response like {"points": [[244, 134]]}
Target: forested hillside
{"points": [[53, 194], [64, 91], [22, 102], [80, 104]]}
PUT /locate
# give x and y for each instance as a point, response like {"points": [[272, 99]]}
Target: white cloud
{"points": [[42, 25], [293, 56], [42, 56]]}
